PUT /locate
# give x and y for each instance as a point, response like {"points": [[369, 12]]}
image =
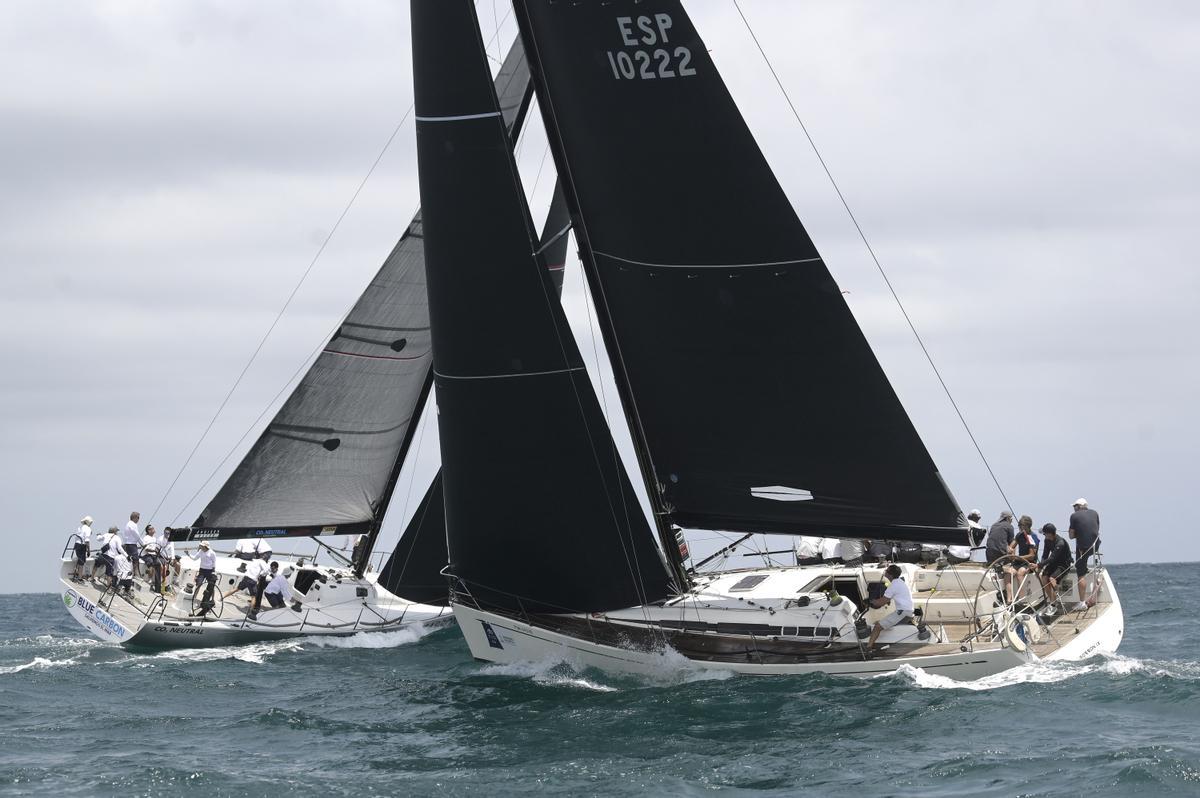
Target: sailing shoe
{"points": [[1080, 607]]}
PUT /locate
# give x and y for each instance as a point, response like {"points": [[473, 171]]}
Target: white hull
{"points": [[504, 639], [141, 620]]}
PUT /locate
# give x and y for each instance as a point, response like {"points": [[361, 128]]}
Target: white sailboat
{"points": [[326, 465], [754, 401]]}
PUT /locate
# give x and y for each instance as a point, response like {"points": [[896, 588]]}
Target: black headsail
{"points": [[752, 391], [327, 462], [535, 494]]}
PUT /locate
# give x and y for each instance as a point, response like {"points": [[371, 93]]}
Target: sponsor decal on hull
{"points": [[94, 617]]}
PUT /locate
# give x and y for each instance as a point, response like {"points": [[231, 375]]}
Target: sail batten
{"points": [[740, 364]]}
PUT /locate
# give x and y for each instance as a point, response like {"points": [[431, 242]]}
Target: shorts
{"points": [[205, 575], [275, 599], [1081, 566], [81, 553], [893, 618], [245, 555], [248, 584], [131, 551]]}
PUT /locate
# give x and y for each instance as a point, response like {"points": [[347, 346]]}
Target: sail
{"points": [[329, 456], [755, 395], [534, 490], [555, 236], [413, 571]]}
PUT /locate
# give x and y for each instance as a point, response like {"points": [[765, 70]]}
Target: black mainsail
{"points": [[327, 462], [751, 390], [535, 494]]}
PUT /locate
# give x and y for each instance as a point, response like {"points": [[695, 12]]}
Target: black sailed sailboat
{"points": [[754, 400], [533, 485]]}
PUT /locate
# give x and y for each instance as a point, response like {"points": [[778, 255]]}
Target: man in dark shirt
{"points": [[1055, 563], [1085, 531], [1000, 543]]}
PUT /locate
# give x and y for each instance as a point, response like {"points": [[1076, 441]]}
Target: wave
{"points": [[671, 670], [1052, 672], [254, 653], [398, 637], [38, 663]]}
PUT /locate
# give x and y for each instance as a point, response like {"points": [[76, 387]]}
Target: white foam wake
{"points": [[255, 653], [397, 637], [554, 673], [38, 663], [1051, 672], [671, 668]]}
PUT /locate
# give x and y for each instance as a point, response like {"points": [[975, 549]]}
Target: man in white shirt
{"points": [[977, 537], [83, 546], [278, 592], [251, 572], [106, 554], [150, 556], [131, 536], [170, 563], [206, 575], [123, 579], [246, 549], [808, 550], [897, 592]]}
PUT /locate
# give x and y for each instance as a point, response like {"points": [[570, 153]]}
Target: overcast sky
{"points": [[1028, 173]]}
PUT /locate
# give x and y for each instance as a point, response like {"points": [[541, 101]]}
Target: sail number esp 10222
{"points": [[652, 57]]}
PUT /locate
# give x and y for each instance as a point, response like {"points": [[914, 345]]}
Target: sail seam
{"points": [[708, 265], [504, 376], [459, 118]]}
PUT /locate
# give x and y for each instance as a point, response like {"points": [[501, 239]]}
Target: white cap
{"points": [[87, 519], [204, 544], [975, 513], [1081, 502]]}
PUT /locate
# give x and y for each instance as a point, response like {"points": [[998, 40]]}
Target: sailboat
{"points": [[325, 466], [753, 399]]}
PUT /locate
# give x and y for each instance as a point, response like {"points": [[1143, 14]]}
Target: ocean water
{"points": [[410, 714]]}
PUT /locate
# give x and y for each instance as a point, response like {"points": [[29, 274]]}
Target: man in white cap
{"points": [[83, 546], [206, 574], [1084, 529], [977, 537]]}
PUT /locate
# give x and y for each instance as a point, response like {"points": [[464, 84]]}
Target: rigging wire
{"points": [[283, 309], [874, 258]]}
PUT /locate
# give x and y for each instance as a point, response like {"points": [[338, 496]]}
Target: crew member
{"points": [[246, 549], [898, 592], [110, 544], [278, 592], [169, 560], [808, 550], [1000, 543], [206, 574], [123, 579], [1027, 546], [250, 577], [149, 554], [1055, 562], [263, 548], [131, 536], [976, 535], [1085, 531], [83, 546]]}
